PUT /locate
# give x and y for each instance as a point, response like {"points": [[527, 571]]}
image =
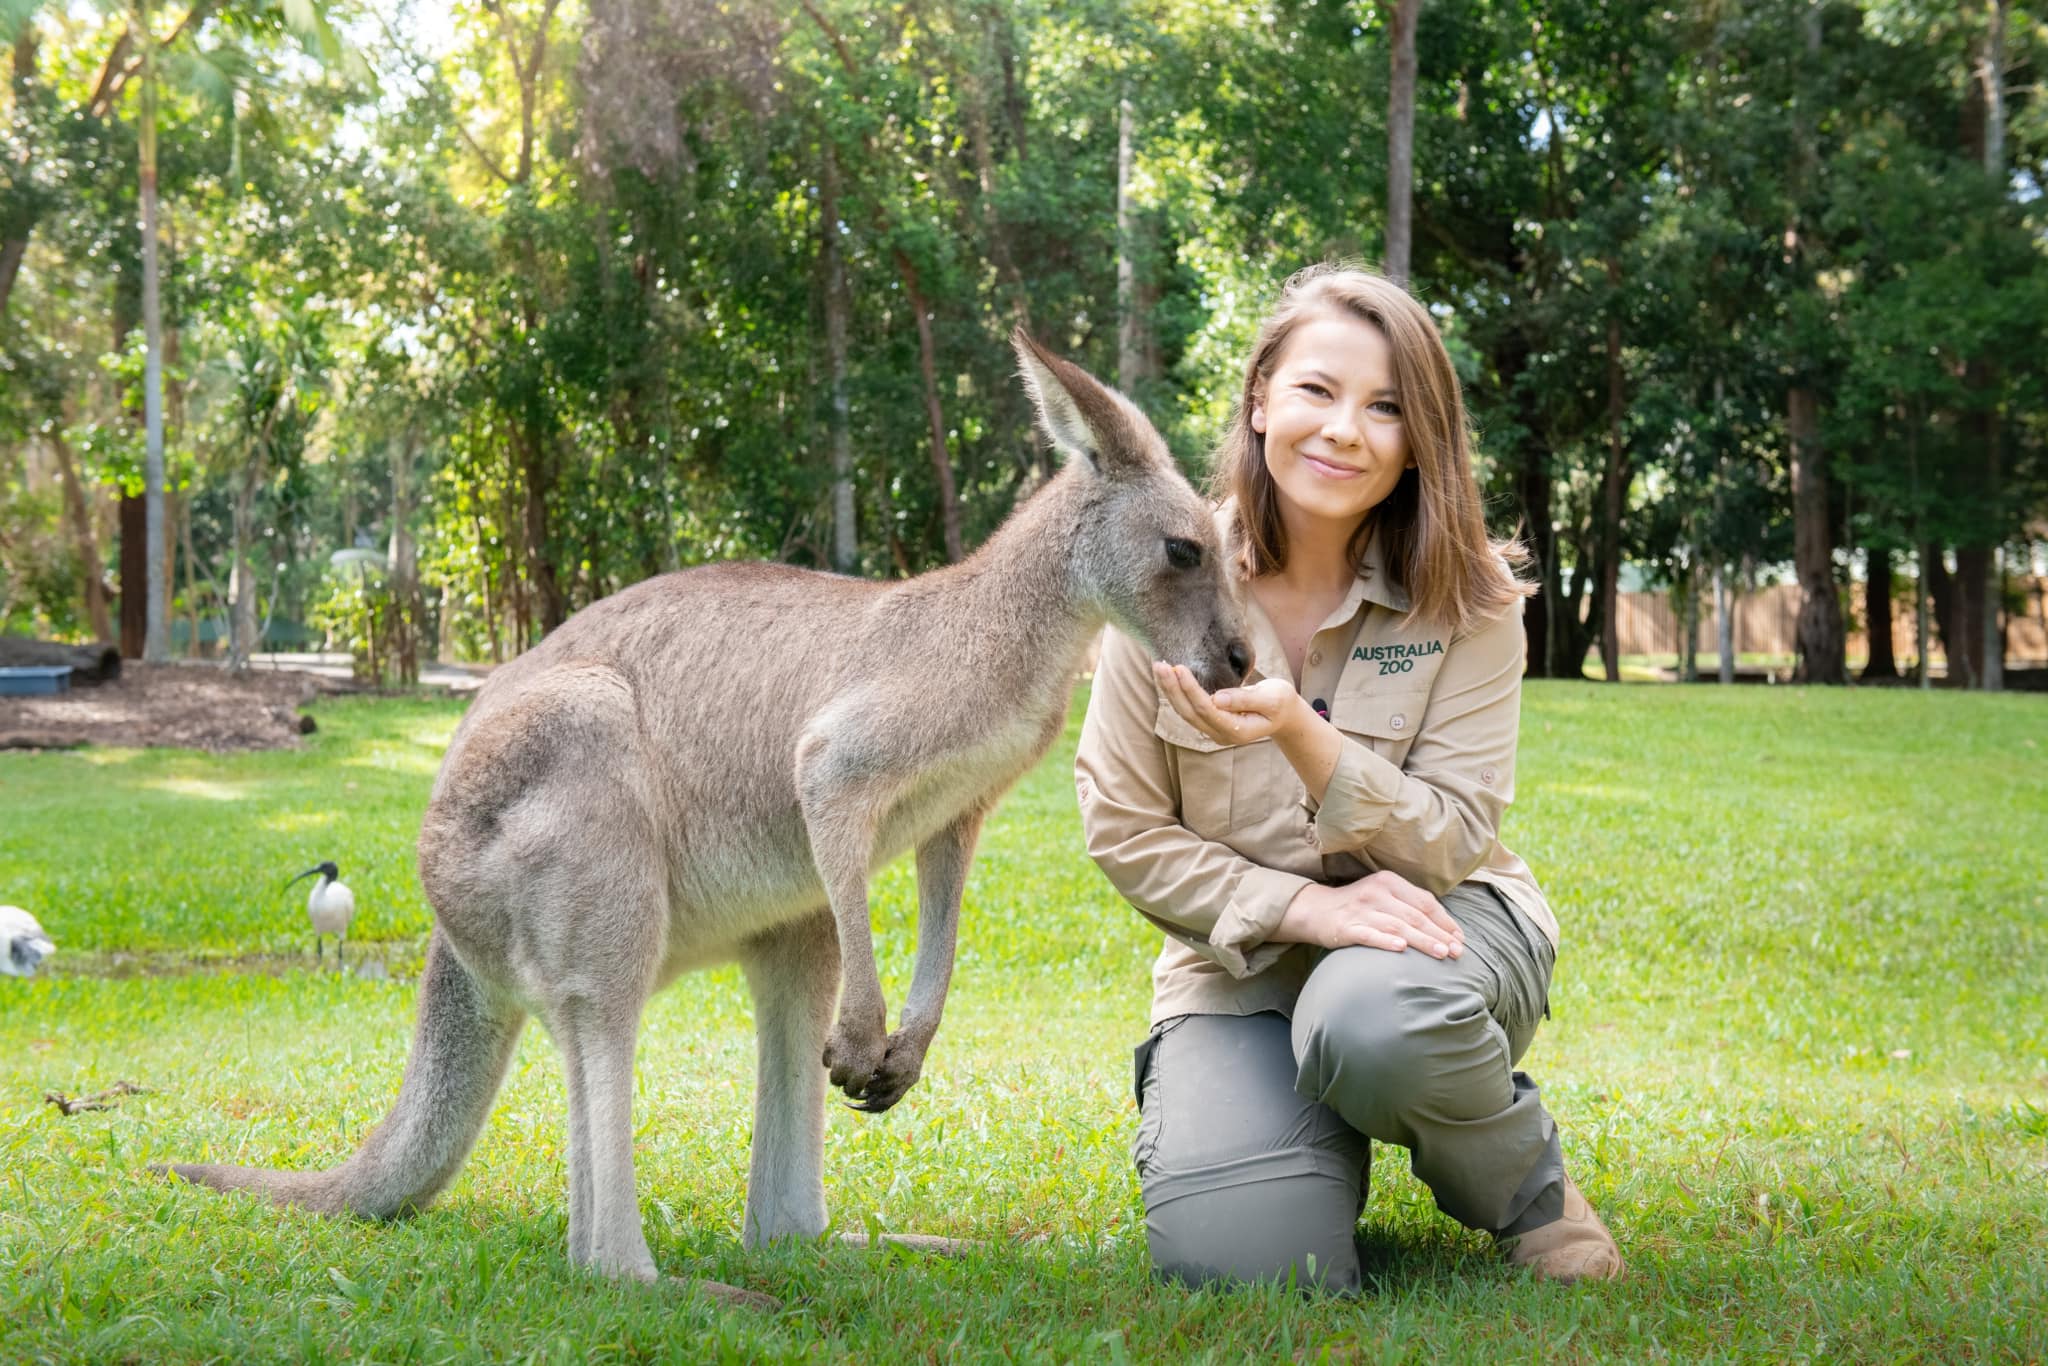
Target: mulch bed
{"points": [[185, 706]]}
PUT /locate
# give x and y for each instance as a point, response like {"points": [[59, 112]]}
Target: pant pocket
{"points": [[1151, 1117]]}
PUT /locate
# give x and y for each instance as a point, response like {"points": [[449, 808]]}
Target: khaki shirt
{"points": [[1211, 841]]}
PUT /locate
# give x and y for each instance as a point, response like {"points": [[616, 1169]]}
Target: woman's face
{"points": [[1331, 417]]}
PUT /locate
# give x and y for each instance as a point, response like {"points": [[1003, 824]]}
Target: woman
{"points": [[1350, 952]]}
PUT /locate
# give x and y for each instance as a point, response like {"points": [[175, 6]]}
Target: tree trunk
{"points": [[1533, 492], [79, 514], [402, 563], [537, 457], [156, 641], [845, 546], [1818, 633], [1877, 616], [1724, 626], [1990, 75], [134, 576], [1990, 79], [191, 577], [1613, 491], [1129, 353], [1948, 615], [935, 416], [979, 138], [1991, 593], [1537, 618], [1973, 603], [242, 581], [1401, 139], [1689, 624], [11, 251], [15, 227], [1920, 614]]}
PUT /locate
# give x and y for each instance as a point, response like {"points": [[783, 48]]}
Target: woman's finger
{"points": [[1169, 683], [1219, 724], [1409, 894], [1365, 936], [1416, 928]]}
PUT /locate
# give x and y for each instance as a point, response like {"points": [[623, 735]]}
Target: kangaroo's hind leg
{"points": [[597, 1038], [793, 971]]}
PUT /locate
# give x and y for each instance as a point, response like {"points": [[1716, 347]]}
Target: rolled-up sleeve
{"points": [[1203, 893], [1435, 817]]}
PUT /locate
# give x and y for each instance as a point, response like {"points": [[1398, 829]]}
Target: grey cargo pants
{"points": [[1252, 1147]]}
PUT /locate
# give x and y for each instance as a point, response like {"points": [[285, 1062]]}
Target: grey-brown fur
{"points": [[709, 766]]}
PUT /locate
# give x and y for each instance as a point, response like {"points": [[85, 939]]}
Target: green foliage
{"points": [[1796, 1057], [568, 267]]}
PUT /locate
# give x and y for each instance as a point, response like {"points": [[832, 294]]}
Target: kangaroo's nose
{"points": [[1240, 657]]}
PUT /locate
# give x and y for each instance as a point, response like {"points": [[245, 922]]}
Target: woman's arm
{"points": [[1205, 894], [1433, 818], [1228, 908]]}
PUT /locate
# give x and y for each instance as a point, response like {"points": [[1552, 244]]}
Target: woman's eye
{"points": [[1318, 390], [1182, 554], [1387, 406]]}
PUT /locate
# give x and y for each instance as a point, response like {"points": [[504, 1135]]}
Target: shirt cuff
{"points": [[1238, 941], [1361, 795]]}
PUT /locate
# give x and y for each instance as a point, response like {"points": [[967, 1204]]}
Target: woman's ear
{"points": [[1258, 418]]}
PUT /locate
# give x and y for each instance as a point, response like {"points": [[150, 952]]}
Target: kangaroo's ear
{"points": [[1083, 418]]}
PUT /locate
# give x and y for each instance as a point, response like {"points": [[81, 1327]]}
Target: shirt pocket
{"points": [[1385, 722], [1204, 769]]}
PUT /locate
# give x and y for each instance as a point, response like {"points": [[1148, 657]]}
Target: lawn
{"points": [[1799, 1054]]}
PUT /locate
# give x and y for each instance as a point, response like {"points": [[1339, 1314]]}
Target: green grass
{"points": [[1800, 1058]]}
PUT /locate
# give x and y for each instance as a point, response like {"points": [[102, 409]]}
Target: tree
{"points": [[1401, 139]]}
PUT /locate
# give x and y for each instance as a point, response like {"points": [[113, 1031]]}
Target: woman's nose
{"points": [[1341, 429]]}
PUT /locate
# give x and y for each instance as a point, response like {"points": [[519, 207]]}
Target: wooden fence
{"points": [[1766, 624]]}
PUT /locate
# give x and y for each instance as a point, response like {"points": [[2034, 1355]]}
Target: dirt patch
{"points": [[379, 960], [184, 706]]}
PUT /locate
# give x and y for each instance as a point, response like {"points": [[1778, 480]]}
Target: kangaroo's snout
{"points": [[1216, 670]]}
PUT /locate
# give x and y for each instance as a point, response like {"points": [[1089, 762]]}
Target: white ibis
{"points": [[23, 945], [330, 906]]}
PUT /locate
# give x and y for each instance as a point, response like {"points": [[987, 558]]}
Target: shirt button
{"points": [[1399, 722], [1309, 835], [1315, 657], [1486, 775]]}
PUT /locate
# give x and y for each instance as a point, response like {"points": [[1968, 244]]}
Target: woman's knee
{"points": [[1379, 1039], [1243, 1179], [1286, 1215]]}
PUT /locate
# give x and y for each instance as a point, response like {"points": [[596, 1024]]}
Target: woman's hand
{"points": [[1234, 716], [1380, 911]]}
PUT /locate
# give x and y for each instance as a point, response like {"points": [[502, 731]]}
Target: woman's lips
{"points": [[1329, 470]]}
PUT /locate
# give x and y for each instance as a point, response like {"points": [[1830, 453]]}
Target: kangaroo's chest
{"points": [[975, 773]]}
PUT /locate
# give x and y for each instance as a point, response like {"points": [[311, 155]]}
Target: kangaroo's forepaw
{"points": [[902, 1064], [852, 1057]]}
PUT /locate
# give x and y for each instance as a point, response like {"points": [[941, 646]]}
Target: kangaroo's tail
{"points": [[460, 1047]]}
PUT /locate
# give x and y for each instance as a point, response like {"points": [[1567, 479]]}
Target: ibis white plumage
{"points": [[330, 906], [23, 945]]}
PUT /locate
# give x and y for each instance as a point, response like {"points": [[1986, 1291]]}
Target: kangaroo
{"points": [[708, 766]]}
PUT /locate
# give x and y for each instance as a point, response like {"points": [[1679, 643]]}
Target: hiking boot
{"points": [[1575, 1247]]}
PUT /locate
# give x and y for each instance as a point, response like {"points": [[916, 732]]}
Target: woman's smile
{"points": [[1330, 469]]}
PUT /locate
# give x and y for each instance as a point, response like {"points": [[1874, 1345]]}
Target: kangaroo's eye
{"points": [[1183, 554]]}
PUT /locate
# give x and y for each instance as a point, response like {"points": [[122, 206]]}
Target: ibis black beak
{"points": [[303, 876]]}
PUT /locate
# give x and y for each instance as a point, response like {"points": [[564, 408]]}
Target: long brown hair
{"points": [[1432, 527]]}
